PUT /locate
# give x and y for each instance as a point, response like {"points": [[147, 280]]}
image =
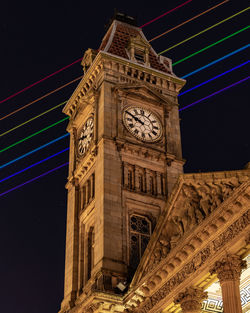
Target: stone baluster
{"points": [[191, 300], [228, 271]]}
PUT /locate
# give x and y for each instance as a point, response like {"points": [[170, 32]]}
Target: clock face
{"points": [[142, 123], [86, 136]]}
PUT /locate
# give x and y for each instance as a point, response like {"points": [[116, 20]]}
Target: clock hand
{"points": [[134, 117]]}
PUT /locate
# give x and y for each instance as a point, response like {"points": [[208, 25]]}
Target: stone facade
{"points": [[141, 235]]}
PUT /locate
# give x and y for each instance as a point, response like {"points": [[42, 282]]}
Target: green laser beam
{"points": [[33, 118], [213, 44], [203, 31], [34, 134]]}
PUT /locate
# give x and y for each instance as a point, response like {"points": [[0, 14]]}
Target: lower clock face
{"points": [[142, 123], [86, 136]]}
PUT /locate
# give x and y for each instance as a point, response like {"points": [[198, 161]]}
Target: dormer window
{"points": [[138, 49], [139, 56]]}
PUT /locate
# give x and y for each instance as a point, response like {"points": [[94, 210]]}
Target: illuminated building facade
{"points": [[142, 236]]}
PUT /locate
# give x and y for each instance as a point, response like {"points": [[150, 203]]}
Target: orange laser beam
{"points": [[38, 99], [189, 20]]}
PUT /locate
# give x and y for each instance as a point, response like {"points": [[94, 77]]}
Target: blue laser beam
{"points": [[215, 93], [34, 164], [216, 61], [33, 179], [213, 78], [32, 151]]}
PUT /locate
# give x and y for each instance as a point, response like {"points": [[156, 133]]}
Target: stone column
{"points": [[228, 271], [191, 300]]}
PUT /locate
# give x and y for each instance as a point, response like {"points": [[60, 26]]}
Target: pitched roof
{"points": [[116, 41]]}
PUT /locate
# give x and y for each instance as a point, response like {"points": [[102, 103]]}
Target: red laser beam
{"points": [[39, 81], [157, 18], [189, 20]]}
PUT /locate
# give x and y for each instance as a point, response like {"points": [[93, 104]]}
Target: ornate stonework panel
{"points": [[195, 200], [199, 260], [212, 305]]}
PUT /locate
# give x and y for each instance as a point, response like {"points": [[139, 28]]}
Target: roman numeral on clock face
{"points": [[142, 123]]}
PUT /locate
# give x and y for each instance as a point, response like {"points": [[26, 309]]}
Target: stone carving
{"points": [[196, 201], [229, 268], [247, 239], [88, 59], [191, 267], [232, 231], [93, 307], [191, 299]]}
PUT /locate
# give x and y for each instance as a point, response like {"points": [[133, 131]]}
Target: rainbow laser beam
{"points": [[216, 61], [213, 78], [61, 137], [204, 30], [182, 60], [78, 60], [172, 10], [39, 81], [33, 179], [33, 151], [34, 164], [210, 46], [216, 93], [34, 134], [52, 170], [33, 118], [187, 21], [185, 76]]}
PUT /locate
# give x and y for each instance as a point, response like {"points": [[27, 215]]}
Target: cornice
{"points": [[89, 79]]}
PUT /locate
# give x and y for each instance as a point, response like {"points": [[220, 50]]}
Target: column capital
{"points": [[229, 268], [191, 299]]}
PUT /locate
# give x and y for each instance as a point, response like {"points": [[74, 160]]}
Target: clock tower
{"points": [[125, 157]]}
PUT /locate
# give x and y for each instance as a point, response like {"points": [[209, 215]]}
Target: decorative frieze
{"points": [[193, 266]]}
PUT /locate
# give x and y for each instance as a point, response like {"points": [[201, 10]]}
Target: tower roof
{"points": [[118, 37]]}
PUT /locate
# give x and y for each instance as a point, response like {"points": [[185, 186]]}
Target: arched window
{"points": [[140, 232]]}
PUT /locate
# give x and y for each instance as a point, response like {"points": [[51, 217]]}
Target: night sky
{"points": [[37, 39]]}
